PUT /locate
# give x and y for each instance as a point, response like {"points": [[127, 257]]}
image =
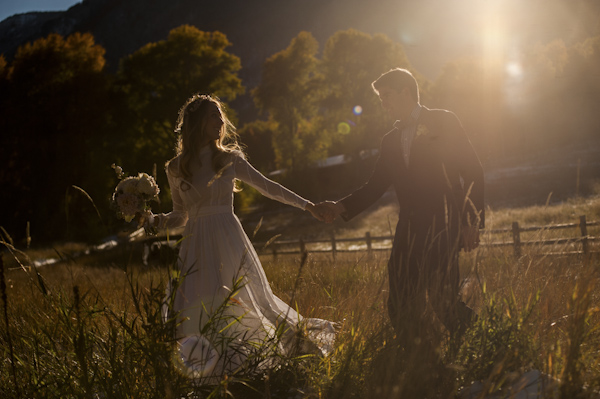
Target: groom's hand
{"points": [[312, 208], [329, 210]]}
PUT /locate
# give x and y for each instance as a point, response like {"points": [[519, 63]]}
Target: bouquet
{"points": [[132, 194]]}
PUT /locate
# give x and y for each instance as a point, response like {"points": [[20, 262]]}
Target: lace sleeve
{"points": [[248, 174], [178, 216]]}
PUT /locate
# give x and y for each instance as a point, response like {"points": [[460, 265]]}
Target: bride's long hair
{"points": [[191, 130]]}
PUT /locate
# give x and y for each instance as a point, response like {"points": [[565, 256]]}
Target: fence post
{"points": [[302, 246], [333, 246], [516, 238], [583, 228], [368, 239]]}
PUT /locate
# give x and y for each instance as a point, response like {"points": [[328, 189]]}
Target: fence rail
{"points": [[332, 245]]}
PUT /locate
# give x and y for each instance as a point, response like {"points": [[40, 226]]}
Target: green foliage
{"points": [[256, 137], [313, 100], [73, 340], [582, 332], [351, 61], [63, 61], [524, 104], [92, 342], [158, 78], [94, 327], [54, 109], [90, 349], [66, 121], [287, 93], [285, 79], [3, 70], [499, 342]]}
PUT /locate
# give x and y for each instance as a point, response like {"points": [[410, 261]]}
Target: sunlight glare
{"points": [[495, 26], [513, 85], [514, 70], [494, 42]]}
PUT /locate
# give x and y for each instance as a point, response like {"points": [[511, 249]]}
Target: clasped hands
{"points": [[326, 211]]}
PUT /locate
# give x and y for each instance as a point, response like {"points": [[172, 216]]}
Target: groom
{"points": [[438, 180]]}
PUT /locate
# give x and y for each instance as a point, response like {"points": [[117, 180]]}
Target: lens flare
{"points": [[357, 110], [343, 128]]}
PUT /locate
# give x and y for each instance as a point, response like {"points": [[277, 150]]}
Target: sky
{"points": [[12, 7]]}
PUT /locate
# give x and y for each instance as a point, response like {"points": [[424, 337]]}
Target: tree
{"points": [[474, 90], [546, 95], [541, 98], [3, 69], [257, 138], [161, 76], [287, 93], [55, 103], [583, 89], [351, 61]]}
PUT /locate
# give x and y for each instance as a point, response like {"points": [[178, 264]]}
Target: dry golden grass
{"points": [[535, 312]]}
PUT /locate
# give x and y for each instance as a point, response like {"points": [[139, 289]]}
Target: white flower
{"points": [[129, 205], [128, 185], [132, 194], [146, 185], [118, 170]]}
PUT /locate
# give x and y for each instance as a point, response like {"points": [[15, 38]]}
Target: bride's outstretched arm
{"points": [[248, 174]]}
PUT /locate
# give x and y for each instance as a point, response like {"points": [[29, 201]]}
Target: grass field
{"points": [[90, 327]]}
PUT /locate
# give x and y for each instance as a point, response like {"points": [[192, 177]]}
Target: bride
{"points": [[224, 305]]}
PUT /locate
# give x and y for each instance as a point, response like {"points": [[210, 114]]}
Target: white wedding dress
{"points": [[224, 302]]}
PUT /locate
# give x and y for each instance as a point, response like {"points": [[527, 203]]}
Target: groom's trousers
{"points": [[423, 268]]}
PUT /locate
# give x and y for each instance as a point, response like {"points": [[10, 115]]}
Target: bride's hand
{"points": [[313, 211], [149, 222], [145, 219]]}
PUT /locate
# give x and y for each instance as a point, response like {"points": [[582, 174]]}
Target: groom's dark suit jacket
{"points": [[442, 186]]}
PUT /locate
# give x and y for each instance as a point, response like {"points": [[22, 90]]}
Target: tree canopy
{"points": [[515, 108], [65, 119], [326, 105], [288, 94], [161, 76], [56, 91], [351, 61]]}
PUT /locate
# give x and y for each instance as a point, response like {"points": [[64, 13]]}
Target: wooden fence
{"points": [[371, 244], [517, 243]]}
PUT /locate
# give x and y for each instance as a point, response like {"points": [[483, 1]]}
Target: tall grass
{"points": [[92, 327]]}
